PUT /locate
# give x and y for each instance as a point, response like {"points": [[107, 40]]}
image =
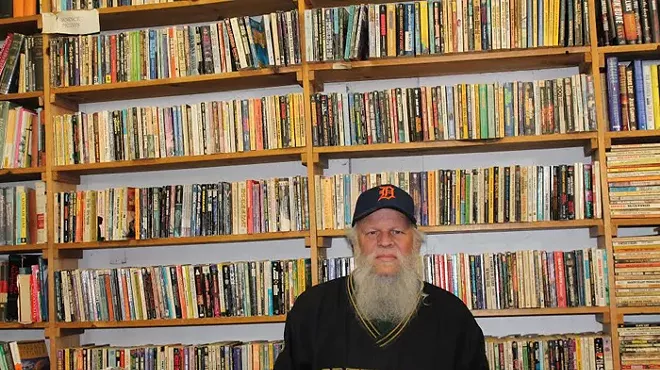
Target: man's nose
{"points": [[385, 240]]}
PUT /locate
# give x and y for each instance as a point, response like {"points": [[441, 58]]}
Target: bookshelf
{"points": [[311, 78]]}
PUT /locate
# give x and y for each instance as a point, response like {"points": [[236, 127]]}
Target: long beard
{"points": [[387, 297]]}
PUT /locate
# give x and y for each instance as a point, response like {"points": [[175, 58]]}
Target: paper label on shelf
{"points": [[72, 22]]}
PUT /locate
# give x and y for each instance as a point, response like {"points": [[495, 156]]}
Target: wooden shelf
{"points": [[478, 228], [26, 248], [171, 322], [542, 311], [26, 25], [451, 146], [648, 310], [245, 79], [28, 99], [185, 11], [636, 222], [175, 163], [17, 326], [629, 50], [20, 174], [632, 137], [451, 64], [282, 318], [182, 241]]}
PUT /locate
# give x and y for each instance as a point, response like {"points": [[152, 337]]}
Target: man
{"points": [[382, 316]]}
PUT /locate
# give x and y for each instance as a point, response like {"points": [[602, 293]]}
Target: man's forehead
{"points": [[385, 215]]}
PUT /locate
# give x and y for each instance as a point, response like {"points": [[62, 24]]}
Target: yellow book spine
{"points": [[424, 25], [656, 96]]}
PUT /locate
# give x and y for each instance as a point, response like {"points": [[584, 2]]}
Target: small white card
{"points": [[72, 22]]}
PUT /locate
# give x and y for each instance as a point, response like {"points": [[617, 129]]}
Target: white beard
{"points": [[387, 297]]}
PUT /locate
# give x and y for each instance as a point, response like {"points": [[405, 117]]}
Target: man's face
{"points": [[385, 236]]}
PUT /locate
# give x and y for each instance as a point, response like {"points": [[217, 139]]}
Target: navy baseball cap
{"points": [[384, 196]]}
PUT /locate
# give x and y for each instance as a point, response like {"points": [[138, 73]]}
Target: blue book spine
{"points": [[640, 100], [613, 93]]}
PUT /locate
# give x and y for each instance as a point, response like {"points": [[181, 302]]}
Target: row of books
{"points": [[510, 280], [632, 179], [499, 194], [638, 345], [623, 22], [523, 279], [251, 355], [211, 127], [24, 354], [370, 31], [23, 214], [23, 288], [21, 63], [22, 136], [594, 350], [61, 5], [19, 8], [633, 94], [229, 289], [568, 351], [229, 45], [454, 112], [636, 270], [224, 208]]}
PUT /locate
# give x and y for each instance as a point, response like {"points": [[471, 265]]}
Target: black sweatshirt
{"points": [[324, 331]]}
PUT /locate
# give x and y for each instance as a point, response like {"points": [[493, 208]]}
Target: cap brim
{"points": [[374, 209]]}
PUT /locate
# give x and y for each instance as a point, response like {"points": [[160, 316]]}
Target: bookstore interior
{"points": [[176, 173]]}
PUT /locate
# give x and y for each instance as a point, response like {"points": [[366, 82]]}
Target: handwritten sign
{"points": [[72, 22]]}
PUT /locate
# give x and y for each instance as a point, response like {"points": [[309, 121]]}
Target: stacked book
{"points": [[638, 344], [633, 178], [637, 270]]}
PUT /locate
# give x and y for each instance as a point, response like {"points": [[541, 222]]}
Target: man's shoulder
{"points": [[318, 294], [448, 303]]}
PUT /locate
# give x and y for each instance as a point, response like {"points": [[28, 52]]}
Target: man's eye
{"points": [[396, 232]]}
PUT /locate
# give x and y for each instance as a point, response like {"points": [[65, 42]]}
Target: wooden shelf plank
{"points": [[26, 25], [184, 12], [648, 310], [450, 146], [451, 64], [18, 326], [476, 228], [245, 79], [625, 49], [632, 137], [175, 163], [171, 322], [182, 241], [282, 318], [633, 222], [26, 248], [541, 311], [28, 99], [20, 174]]}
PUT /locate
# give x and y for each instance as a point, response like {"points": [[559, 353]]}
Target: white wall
{"points": [[478, 242]]}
